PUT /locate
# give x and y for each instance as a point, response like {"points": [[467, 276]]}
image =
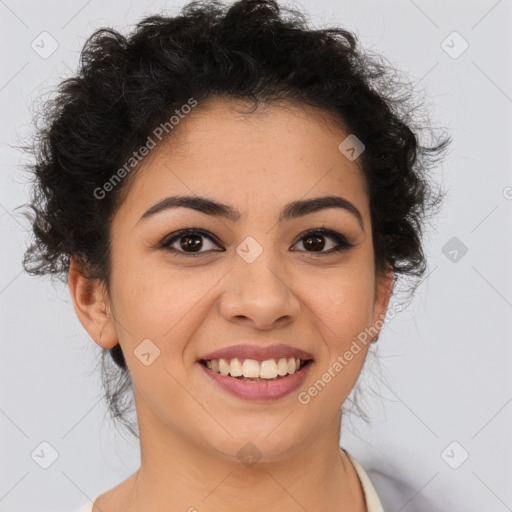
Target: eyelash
{"points": [[343, 243]]}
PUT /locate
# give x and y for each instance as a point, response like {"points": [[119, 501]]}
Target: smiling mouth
{"points": [[251, 370]]}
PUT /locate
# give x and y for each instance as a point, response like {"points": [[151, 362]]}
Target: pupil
{"points": [[318, 243], [194, 246]]}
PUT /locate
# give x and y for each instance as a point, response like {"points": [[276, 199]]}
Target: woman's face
{"points": [[258, 280]]}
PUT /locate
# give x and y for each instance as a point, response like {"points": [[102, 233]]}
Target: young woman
{"points": [[231, 198]]}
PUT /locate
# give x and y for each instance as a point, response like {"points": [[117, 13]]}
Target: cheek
{"points": [[153, 302], [342, 312], [343, 303]]}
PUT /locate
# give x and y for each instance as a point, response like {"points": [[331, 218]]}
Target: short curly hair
{"points": [[251, 50]]}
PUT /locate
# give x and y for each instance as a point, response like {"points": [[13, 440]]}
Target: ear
{"points": [[384, 284], [92, 306]]}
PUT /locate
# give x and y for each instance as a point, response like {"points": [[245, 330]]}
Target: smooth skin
{"points": [[295, 292]]}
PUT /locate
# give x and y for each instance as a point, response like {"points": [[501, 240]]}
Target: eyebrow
{"points": [[292, 210]]}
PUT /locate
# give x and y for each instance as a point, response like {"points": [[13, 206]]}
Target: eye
{"points": [[189, 242], [314, 241]]}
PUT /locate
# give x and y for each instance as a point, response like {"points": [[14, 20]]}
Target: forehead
{"points": [[227, 150]]}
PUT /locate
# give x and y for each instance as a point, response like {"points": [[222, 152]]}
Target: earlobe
{"points": [[90, 302]]}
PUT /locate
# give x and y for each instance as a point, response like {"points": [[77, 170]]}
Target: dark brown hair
{"points": [[253, 50]]}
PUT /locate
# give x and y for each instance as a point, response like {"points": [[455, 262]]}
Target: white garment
{"points": [[373, 503], [86, 508]]}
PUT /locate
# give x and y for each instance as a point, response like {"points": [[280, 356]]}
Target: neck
{"points": [[176, 474]]}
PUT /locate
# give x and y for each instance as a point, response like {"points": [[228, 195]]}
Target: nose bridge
{"points": [[258, 287], [259, 268]]}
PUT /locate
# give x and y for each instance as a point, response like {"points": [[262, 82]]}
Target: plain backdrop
{"points": [[440, 433]]}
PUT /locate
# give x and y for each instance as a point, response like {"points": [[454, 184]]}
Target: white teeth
{"points": [[223, 367], [268, 369], [282, 366], [235, 368], [252, 369]]}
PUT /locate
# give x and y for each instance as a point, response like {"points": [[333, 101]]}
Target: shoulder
{"points": [[117, 498], [372, 499], [85, 508]]}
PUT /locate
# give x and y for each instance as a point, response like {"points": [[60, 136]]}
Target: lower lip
{"points": [[270, 390]]}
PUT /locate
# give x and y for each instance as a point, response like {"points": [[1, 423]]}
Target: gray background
{"points": [[445, 359]]}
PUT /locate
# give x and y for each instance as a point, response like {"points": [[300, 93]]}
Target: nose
{"points": [[259, 295]]}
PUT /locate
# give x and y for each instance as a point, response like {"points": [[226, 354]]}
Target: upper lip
{"points": [[257, 352]]}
